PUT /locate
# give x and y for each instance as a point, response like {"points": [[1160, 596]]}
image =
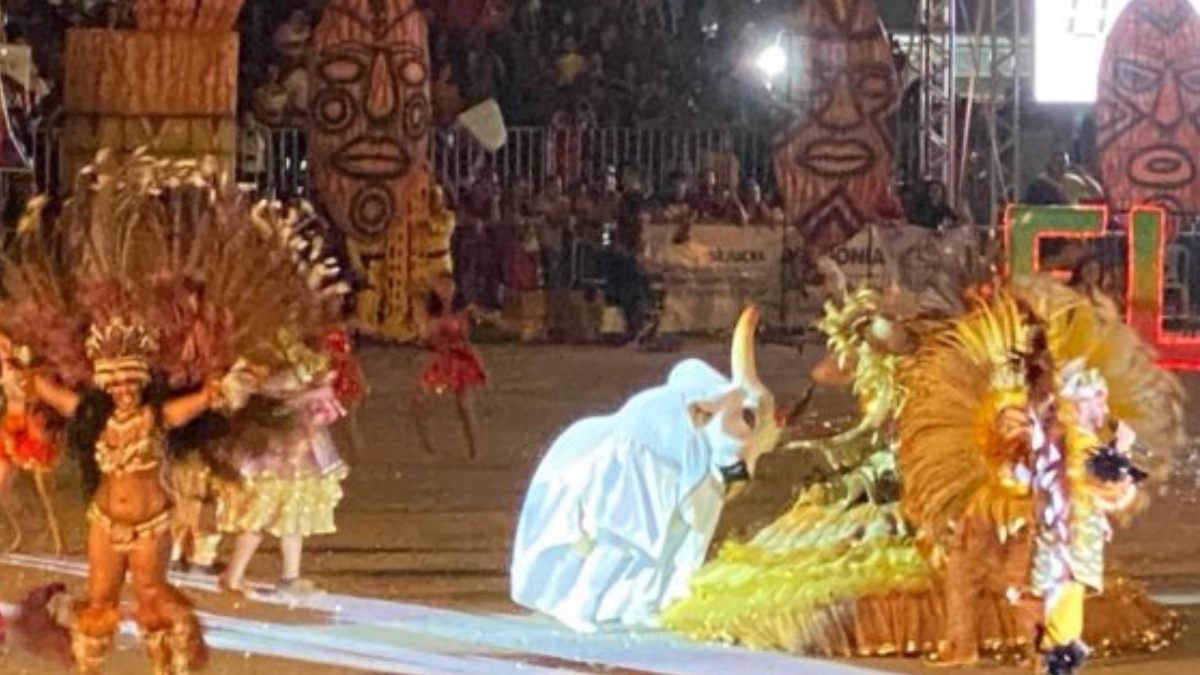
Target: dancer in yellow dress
{"points": [[849, 571]]}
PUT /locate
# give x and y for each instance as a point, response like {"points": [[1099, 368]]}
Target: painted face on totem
{"points": [[837, 159], [1148, 106], [370, 110]]}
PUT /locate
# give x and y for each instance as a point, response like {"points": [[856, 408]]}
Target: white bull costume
{"points": [[622, 509]]}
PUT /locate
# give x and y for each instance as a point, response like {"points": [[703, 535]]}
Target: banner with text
{"points": [[932, 267], [717, 272], [723, 268]]}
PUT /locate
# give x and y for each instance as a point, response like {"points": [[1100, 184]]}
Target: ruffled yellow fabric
{"points": [[796, 586], [833, 583], [283, 506]]}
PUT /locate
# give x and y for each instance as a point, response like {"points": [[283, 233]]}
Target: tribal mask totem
{"points": [[1148, 106], [835, 162], [369, 77]]}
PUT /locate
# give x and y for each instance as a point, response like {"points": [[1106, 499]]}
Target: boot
{"points": [[1064, 659], [168, 652], [158, 651], [90, 652]]}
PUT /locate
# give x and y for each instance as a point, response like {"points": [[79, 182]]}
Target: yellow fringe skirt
{"points": [[283, 506]]}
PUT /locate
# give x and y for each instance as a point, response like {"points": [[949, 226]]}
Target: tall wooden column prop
{"points": [[170, 85], [834, 164], [368, 149]]}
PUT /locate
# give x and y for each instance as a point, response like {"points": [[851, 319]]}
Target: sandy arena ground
{"points": [[435, 530]]}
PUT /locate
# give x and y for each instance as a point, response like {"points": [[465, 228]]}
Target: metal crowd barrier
{"points": [[532, 154]]}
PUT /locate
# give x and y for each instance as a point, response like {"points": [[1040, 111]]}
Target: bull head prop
{"points": [[740, 425]]}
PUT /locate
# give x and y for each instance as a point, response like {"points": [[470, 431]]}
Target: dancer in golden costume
{"points": [[949, 571], [143, 297]]}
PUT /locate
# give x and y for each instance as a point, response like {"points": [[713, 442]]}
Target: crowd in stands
{"points": [[603, 62], [513, 239], [567, 62]]}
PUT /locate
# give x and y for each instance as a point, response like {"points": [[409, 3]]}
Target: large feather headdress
{"points": [[170, 246], [961, 381]]}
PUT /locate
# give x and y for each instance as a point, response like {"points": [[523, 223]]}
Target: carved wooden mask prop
{"points": [[1148, 106], [835, 162], [369, 103]]}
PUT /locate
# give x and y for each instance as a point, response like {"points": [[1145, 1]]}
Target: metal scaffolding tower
{"points": [[1002, 123], [936, 145]]}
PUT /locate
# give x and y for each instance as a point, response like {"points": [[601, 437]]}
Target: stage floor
{"points": [[417, 574]]}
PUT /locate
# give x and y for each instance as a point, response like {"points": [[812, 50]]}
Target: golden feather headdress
{"points": [[120, 351]]}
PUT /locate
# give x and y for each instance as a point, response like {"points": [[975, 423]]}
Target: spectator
{"points": [[653, 98], [484, 71], [678, 206], [271, 99], [291, 38], [632, 217], [296, 85], [571, 65], [1047, 188], [932, 210], [724, 163], [447, 101], [521, 247], [706, 201], [607, 204], [626, 285], [529, 18], [730, 209], [758, 211], [252, 152], [622, 91], [1091, 279], [553, 209]]}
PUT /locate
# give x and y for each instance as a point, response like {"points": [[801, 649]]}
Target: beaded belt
{"points": [[124, 536]]}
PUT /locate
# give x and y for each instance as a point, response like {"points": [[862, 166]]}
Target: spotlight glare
{"points": [[772, 61]]}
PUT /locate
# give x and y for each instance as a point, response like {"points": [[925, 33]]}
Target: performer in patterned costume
{"points": [[144, 297], [947, 571]]}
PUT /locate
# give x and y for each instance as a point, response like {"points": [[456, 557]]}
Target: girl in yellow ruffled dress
{"points": [[851, 570], [291, 490]]}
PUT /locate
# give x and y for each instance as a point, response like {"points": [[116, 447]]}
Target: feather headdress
{"points": [[174, 244], [962, 379]]}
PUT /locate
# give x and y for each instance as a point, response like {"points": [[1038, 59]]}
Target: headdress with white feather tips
{"points": [[175, 244]]}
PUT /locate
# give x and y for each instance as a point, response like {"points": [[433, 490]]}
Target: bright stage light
{"points": [[772, 61], [1069, 37]]}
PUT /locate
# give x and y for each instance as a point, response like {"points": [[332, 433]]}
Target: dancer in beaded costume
{"points": [[144, 297]]}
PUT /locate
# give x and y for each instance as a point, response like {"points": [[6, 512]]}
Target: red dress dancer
{"points": [[350, 388], [456, 367], [25, 445]]}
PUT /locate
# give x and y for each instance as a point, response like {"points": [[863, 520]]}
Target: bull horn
{"points": [[742, 359]]}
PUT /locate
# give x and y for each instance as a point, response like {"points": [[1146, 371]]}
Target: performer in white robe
{"points": [[622, 508]]}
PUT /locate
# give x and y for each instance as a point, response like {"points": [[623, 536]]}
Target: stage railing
{"points": [[275, 160]]}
